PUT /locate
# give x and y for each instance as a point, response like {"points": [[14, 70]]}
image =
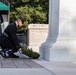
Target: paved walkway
{"points": [[18, 63], [59, 67], [26, 66]]}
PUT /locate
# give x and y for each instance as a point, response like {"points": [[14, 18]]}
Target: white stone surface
{"points": [[21, 71], [36, 35], [59, 67], [61, 41], [45, 49]]}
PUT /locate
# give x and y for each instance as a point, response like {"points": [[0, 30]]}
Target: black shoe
{"points": [[2, 54], [13, 56]]}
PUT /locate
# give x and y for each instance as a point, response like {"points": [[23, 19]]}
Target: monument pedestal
{"points": [[60, 44], [62, 50]]}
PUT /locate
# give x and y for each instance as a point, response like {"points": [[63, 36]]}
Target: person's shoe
{"points": [[2, 54], [13, 56]]}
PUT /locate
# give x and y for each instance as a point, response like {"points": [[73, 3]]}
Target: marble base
{"points": [[64, 49]]}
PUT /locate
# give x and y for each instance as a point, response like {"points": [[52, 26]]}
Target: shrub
{"points": [[29, 52]]}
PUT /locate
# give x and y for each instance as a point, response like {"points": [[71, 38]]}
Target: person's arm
{"points": [[14, 36]]}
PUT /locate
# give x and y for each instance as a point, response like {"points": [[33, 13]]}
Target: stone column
{"points": [[60, 44], [45, 48]]}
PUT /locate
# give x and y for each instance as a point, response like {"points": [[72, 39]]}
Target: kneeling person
{"points": [[8, 39]]}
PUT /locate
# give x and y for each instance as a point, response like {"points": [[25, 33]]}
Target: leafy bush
{"points": [[29, 52], [35, 12]]}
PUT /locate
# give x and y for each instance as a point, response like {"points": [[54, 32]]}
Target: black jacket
{"points": [[11, 41]]}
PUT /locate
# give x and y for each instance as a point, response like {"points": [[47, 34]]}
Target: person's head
{"points": [[20, 21]]}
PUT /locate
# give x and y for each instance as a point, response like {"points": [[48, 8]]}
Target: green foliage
{"points": [[31, 10], [29, 52], [35, 11], [22, 29]]}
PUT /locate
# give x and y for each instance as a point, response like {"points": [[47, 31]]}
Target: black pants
{"points": [[13, 49]]}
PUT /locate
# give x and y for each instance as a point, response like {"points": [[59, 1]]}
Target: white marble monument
{"points": [[60, 44], [36, 35]]}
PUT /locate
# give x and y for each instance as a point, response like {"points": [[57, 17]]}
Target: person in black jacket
{"points": [[9, 41]]}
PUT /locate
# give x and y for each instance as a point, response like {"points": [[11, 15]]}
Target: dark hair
{"points": [[22, 19]]}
